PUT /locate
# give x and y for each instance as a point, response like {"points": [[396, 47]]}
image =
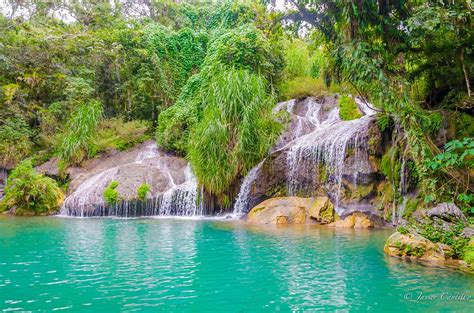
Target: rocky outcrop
{"points": [[427, 234], [413, 246], [322, 210], [355, 220], [284, 210], [318, 154], [448, 212], [173, 187], [293, 210]]}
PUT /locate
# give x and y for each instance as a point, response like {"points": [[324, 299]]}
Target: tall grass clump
{"points": [[77, 141], [302, 72], [117, 134], [348, 109], [30, 193], [236, 131]]}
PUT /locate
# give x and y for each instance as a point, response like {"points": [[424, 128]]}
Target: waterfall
{"points": [[241, 205], [180, 197], [3, 180], [315, 138]]}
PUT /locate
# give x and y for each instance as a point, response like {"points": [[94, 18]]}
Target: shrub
{"points": [[111, 195], [348, 109], [15, 141], [402, 230], [30, 192], [468, 254], [297, 59], [142, 191], [236, 131], [301, 87], [117, 134], [77, 142]]}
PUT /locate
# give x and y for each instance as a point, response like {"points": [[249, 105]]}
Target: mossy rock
{"points": [[348, 109], [322, 210]]}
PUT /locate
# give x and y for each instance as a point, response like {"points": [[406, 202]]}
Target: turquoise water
{"points": [[174, 265]]}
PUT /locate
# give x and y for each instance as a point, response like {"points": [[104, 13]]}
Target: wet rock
{"points": [[355, 220], [164, 173], [322, 210], [448, 212], [312, 122], [414, 246], [282, 210]]}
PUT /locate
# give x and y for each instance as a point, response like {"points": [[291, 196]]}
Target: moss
{"points": [[410, 207], [322, 173], [362, 191], [390, 166], [418, 251], [348, 109], [277, 191], [402, 230], [468, 255]]}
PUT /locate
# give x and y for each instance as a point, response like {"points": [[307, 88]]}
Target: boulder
{"points": [[448, 212], [293, 210], [322, 210], [355, 220], [414, 246], [281, 210]]}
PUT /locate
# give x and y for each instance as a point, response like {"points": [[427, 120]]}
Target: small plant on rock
{"points": [[111, 195], [142, 191]]}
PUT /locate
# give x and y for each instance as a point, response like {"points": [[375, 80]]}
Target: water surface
{"points": [[180, 265]]}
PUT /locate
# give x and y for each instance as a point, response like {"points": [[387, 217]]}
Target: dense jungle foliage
{"points": [[202, 78]]}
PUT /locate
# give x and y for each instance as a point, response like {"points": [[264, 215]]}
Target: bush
{"points": [[117, 134], [348, 109], [301, 87], [298, 60], [15, 142], [111, 195], [236, 131], [402, 230], [142, 191], [77, 142], [31, 193]]}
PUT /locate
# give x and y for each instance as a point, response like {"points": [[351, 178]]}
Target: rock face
{"points": [[448, 212], [414, 246], [355, 220], [319, 155], [173, 187], [293, 210], [284, 210], [322, 210]]}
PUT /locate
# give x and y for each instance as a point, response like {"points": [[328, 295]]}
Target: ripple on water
{"points": [[207, 265]]}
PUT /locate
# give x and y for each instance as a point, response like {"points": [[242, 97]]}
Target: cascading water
{"points": [[327, 146], [241, 205], [315, 138], [179, 195]]}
